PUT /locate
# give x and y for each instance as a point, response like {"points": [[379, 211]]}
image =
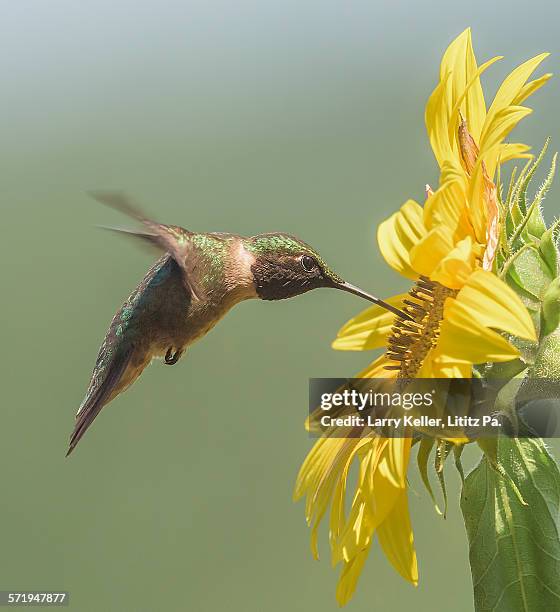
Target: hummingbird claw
{"points": [[172, 358]]}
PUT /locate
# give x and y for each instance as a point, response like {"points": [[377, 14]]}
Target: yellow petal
{"points": [[368, 330], [393, 463], [475, 106], [510, 92], [529, 88], [459, 89], [448, 205], [337, 514], [504, 122], [463, 338], [430, 250], [442, 367], [349, 577], [496, 305], [325, 483], [456, 267], [459, 61], [397, 540], [437, 123], [378, 487], [323, 454], [474, 110], [358, 531], [376, 369], [513, 86], [398, 234], [484, 303], [513, 150], [382, 479]]}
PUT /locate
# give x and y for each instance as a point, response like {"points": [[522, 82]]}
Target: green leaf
{"points": [[514, 549]]}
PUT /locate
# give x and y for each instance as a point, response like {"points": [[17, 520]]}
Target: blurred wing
{"points": [[169, 238]]}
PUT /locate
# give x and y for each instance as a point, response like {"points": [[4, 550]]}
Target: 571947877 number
{"points": [[33, 598]]}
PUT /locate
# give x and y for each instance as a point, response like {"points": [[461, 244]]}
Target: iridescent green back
{"points": [[212, 249]]}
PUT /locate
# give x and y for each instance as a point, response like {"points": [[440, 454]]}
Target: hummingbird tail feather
{"points": [[102, 394]]}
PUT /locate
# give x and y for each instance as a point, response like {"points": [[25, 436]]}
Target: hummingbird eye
{"points": [[308, 263]]}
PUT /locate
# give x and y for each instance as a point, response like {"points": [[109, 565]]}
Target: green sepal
{"points": [[518, 204], [548, 250], [457, 452], [422, 458], [501, 369], [550, 309], [536, 225], [443, 449], [523, 223]]}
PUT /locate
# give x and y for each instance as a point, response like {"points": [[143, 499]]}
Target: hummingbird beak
{"points": [[367, 296]]}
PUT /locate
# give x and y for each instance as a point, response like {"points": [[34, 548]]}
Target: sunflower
{"points": [[461, 312]]}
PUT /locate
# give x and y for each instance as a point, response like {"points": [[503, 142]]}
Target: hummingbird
{"points": [[198, 278]]}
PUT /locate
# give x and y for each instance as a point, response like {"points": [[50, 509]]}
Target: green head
{"points": [[285, 266]]}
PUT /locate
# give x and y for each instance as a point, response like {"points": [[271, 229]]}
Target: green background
{"points": [[299, 116]]}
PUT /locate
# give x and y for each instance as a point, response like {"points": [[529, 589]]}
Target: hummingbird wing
{"points": [[173, 239], [148, 321]]}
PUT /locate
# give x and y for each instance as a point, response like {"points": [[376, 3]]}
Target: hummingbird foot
{"points": [[171, 358]]}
